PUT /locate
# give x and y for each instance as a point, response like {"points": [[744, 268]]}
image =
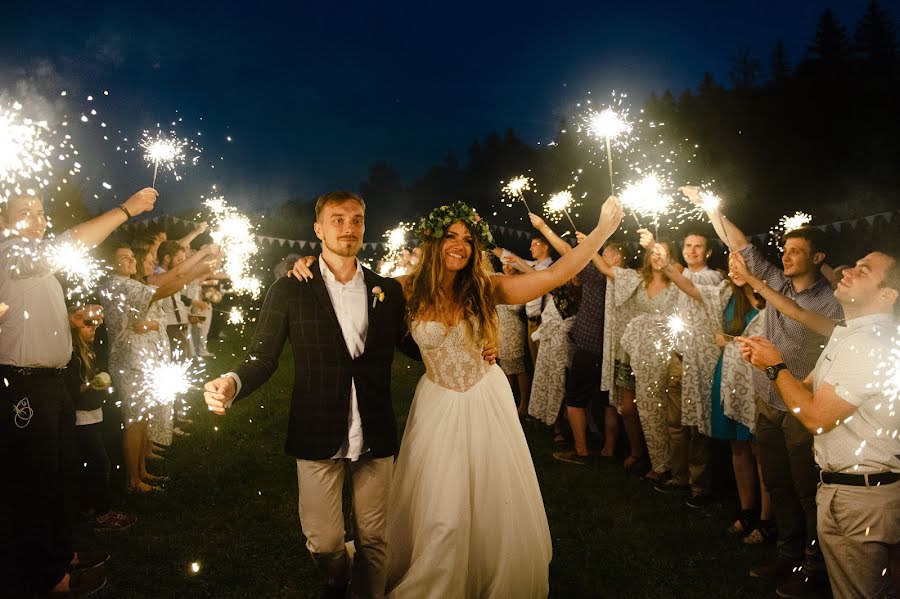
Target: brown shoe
{"points": [[89, 559], [779, 568], [804, 583], [82, 583]]}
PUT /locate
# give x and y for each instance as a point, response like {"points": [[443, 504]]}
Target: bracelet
{"points": [[125, 210]]}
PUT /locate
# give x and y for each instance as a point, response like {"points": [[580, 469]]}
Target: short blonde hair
{"points": [[337, 197]]}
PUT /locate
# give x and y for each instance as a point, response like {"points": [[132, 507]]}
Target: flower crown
{"points": [[435, 225]]}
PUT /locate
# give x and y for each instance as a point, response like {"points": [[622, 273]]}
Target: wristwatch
{"points": [[772, 371]]}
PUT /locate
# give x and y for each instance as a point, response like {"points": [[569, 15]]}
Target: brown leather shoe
{"points": [[82, 583]]}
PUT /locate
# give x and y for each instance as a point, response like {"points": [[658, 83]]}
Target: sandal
{"points": [[764, 532]]}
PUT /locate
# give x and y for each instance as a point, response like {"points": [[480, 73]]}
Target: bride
{"points": [[466, 516]]}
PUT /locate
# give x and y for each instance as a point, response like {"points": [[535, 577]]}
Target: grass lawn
{"points": [[231, 507]]}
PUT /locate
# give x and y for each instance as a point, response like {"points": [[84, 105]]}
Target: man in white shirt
{"points": [[848, 403], [38, 425]]}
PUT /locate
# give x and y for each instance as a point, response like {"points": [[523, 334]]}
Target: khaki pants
{"points": [[857, 528], [533, 345], [689, 450], [180, 341], [321, 484], [791, 476]]}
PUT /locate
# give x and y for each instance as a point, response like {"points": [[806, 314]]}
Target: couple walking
{"points": [[460, 514]]}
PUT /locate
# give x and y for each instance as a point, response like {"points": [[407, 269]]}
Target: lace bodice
{"points": [[452, 359]]}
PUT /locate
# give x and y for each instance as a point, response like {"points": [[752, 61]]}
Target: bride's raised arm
{"points": [[522, 288]]}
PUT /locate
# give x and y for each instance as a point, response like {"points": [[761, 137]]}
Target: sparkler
{"points": [[710, 203], [646, 197], [164, 380], [609, 125], [235, 316], [233, 232], [516, 187], [74, 261], [163, 150], [788, 223], [24, 152], [560, 203], [393, 263]]}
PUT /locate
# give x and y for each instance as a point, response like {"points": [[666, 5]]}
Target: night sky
{"points": [[312, 93]]}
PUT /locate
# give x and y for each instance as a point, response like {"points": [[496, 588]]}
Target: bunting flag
{"points": [[759, 238]]}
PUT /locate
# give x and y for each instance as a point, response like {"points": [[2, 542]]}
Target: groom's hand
{"points": [[219, 392], [490, 354]]}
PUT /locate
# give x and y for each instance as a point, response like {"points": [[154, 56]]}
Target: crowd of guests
{"points": [[66, 360], [684, 358]]}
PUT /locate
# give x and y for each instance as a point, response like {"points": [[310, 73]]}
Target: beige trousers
{"points": [[321, 484], [857, 528], [689, 450]]}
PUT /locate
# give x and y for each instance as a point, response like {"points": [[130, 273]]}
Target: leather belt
{"points": [[31, 371], [859, 480]]}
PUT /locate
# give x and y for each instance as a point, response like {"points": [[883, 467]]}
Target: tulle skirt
{"points": [[466, 518]]}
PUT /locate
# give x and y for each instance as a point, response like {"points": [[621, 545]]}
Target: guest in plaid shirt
{"points": [[785, 446], [583, 378]]}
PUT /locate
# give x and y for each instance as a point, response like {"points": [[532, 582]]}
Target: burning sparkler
{"points": [[24, 152], [163, 150], [163, 380], [393, 263], [74, 261], [516, 187], [233, 232], [235, 316], [647, 198], [786, 224], [560, 203]]}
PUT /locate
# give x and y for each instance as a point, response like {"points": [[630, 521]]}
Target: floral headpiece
{"points": [[435, 225]]}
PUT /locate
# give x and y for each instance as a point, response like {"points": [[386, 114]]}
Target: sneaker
{"points": [[571, 457], [670, 487], [698, 501], [780, 567], [804, 583], [113, 522]]}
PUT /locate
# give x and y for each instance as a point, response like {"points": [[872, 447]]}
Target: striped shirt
{"points": [[799, 346]]}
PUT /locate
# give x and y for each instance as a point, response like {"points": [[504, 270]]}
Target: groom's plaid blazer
{"points": [[301, 312]]}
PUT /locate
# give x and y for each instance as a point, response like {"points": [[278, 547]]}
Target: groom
{"points": [[342, 324]]}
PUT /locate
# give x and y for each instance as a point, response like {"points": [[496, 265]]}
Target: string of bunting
{"points": [[498, 230]]}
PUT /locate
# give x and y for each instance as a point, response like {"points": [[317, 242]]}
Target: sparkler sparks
{"points": [[516, 187], [235, 316], [74, 261], [607, 124], [797, 220], [559, 204], [647, 196], [163, 380], [25, 153], [165, 151], [234, 233], [394, 262]]}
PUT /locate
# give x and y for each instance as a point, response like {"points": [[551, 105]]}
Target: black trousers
{"points": [[39, 453], [583, 380], [93, 462]]}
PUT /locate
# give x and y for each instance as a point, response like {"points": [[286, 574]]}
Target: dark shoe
{"points": [[780, 568], [743, 523], [571, 457], [804, 583], [82, 583], [699, 501], [330, 592], [113, 522], [89, 559], [560, 440], [670, 487]]}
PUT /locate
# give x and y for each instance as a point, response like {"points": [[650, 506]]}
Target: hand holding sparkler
{"points": [[759, 351], [647, 240], [142, 201], [537, 222], [218, 392], [611, 215]]}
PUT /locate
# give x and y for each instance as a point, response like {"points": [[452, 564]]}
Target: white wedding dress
{"points": [[466, 518]]}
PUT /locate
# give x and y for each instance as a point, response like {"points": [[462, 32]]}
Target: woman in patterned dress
{"points": [[512, 346]]}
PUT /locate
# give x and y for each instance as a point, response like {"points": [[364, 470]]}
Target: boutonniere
{"points": [[377, 295]]}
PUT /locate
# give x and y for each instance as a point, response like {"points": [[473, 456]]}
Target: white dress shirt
{"points": [[349, 302]]}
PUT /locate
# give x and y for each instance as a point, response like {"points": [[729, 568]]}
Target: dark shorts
{"points": [[583, 380]]}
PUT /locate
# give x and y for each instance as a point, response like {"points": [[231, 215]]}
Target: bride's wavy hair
{"points": [[471, 288]]}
